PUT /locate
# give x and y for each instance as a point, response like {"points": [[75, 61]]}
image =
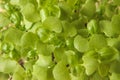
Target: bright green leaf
{"points": [[30, 12]]}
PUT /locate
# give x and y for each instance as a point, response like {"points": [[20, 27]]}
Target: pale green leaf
{"points": [[29, 39], [69, 30], [114, 42], [92, 27], [8, 35], [107, 28], [114, 68], [43, 14], [109, 10], [4, 21], [89, 8], [53, 24], [65, 10], [54, 11], [115, 23], [30, 12], [59, 54], [81, 44], [44, 48], [39, 73], [44, 35], [90, 62], [96, 76], [60, 71], [108, 54], [117, 2], [14, 2], [97, 41], [115, 76], [7, 65], [83, 33], [103, 69], [44, 61], [71, 57], [19, 73]]}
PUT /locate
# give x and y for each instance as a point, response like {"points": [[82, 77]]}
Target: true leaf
{"points": [[53, 24], [81, 44], [60, 72], [90, 62], [97, 41]]}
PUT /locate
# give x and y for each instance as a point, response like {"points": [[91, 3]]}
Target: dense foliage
{"points": [[59, 39]]}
